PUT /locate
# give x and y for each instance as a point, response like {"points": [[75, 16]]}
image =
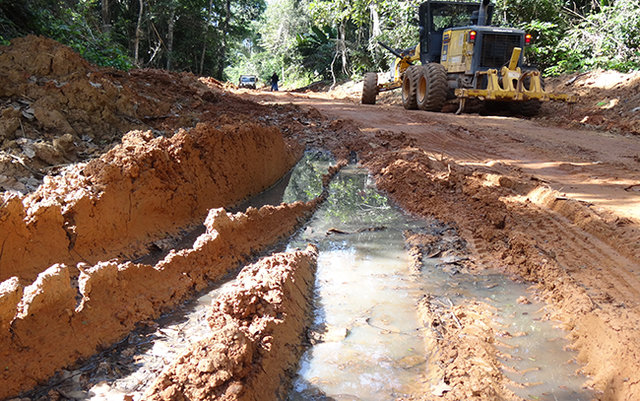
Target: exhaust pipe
{"points": [[482, 14]]}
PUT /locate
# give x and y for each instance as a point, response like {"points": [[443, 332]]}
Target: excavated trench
{"points": [[130, 366], [242, 336]]}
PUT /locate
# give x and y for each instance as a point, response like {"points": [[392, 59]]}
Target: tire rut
{"points": [[575, 250]]}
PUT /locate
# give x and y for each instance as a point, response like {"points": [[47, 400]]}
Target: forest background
{"points": [[309, 40]]}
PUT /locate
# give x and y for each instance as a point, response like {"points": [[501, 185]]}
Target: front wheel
{"points": [[370, 88]]}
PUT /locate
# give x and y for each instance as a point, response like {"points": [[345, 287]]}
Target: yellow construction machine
{"points": [[465, 59]]}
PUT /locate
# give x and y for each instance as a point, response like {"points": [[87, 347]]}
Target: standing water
{"points": [[366, 343], [534, 352]]}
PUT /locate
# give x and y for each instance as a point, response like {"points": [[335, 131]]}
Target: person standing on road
{"points": [[274, 82]]}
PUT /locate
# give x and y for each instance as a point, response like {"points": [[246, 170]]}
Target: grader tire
{"points": [[432, 87], [410, 87], [370, 88]]}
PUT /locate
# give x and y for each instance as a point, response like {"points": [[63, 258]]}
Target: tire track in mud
{"points": [[44, 328], [82, 216], [256, 336], [517, 245], [576, 250]]}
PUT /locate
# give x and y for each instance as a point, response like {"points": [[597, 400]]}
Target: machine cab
{"points": [[436, 16]]}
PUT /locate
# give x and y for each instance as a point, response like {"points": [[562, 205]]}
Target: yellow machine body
{"points": [[457, 51], [401, 64]]}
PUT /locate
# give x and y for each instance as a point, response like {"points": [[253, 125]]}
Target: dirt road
{"points": [[555, 206], [586, 165]]}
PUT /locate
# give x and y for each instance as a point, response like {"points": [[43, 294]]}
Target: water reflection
{"points": [[367, 343]]}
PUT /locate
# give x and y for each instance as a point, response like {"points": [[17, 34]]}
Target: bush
{"points": [[71, 28]]}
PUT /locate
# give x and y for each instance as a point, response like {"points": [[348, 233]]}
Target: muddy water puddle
{"points": [[366, 343], [366, 336], [533, 349], [302, 183]]}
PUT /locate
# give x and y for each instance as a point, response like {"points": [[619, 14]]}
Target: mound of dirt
{"points": [[57, 109], [69, 312], [137, 192], [609, 100]]}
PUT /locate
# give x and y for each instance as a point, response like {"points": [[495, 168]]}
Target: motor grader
{"points": [[465, 60]]}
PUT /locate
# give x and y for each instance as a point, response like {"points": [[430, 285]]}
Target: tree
{"points": [[138, 34]]}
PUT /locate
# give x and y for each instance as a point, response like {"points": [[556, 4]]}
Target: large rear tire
{"points": [[432, 87], [410, 87], [370, 88]]}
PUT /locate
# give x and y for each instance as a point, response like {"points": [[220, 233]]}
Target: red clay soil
{"points": [[56, 109], [541, 247], [257, 328], [609, 100], [555, 206], [137, 192], [470, 370], [56, 320]]}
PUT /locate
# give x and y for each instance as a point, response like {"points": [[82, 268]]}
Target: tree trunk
{"points": [[106, 18], [172, 22], [225, 33], [206, 33], [136, 45], [375, 22], [342, 45]]}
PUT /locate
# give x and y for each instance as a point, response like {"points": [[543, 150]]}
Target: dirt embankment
{"points": [[124, 203], [70, 312], [608, 100], [56, 109], [142, 190], [256, 336]]}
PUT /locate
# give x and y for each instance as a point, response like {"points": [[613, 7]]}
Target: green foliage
{"points": [[71, 27], [271, 46], [307, 40], [204, 34], [606, 39], [577, 35], [74, 26], [316, 49]]}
